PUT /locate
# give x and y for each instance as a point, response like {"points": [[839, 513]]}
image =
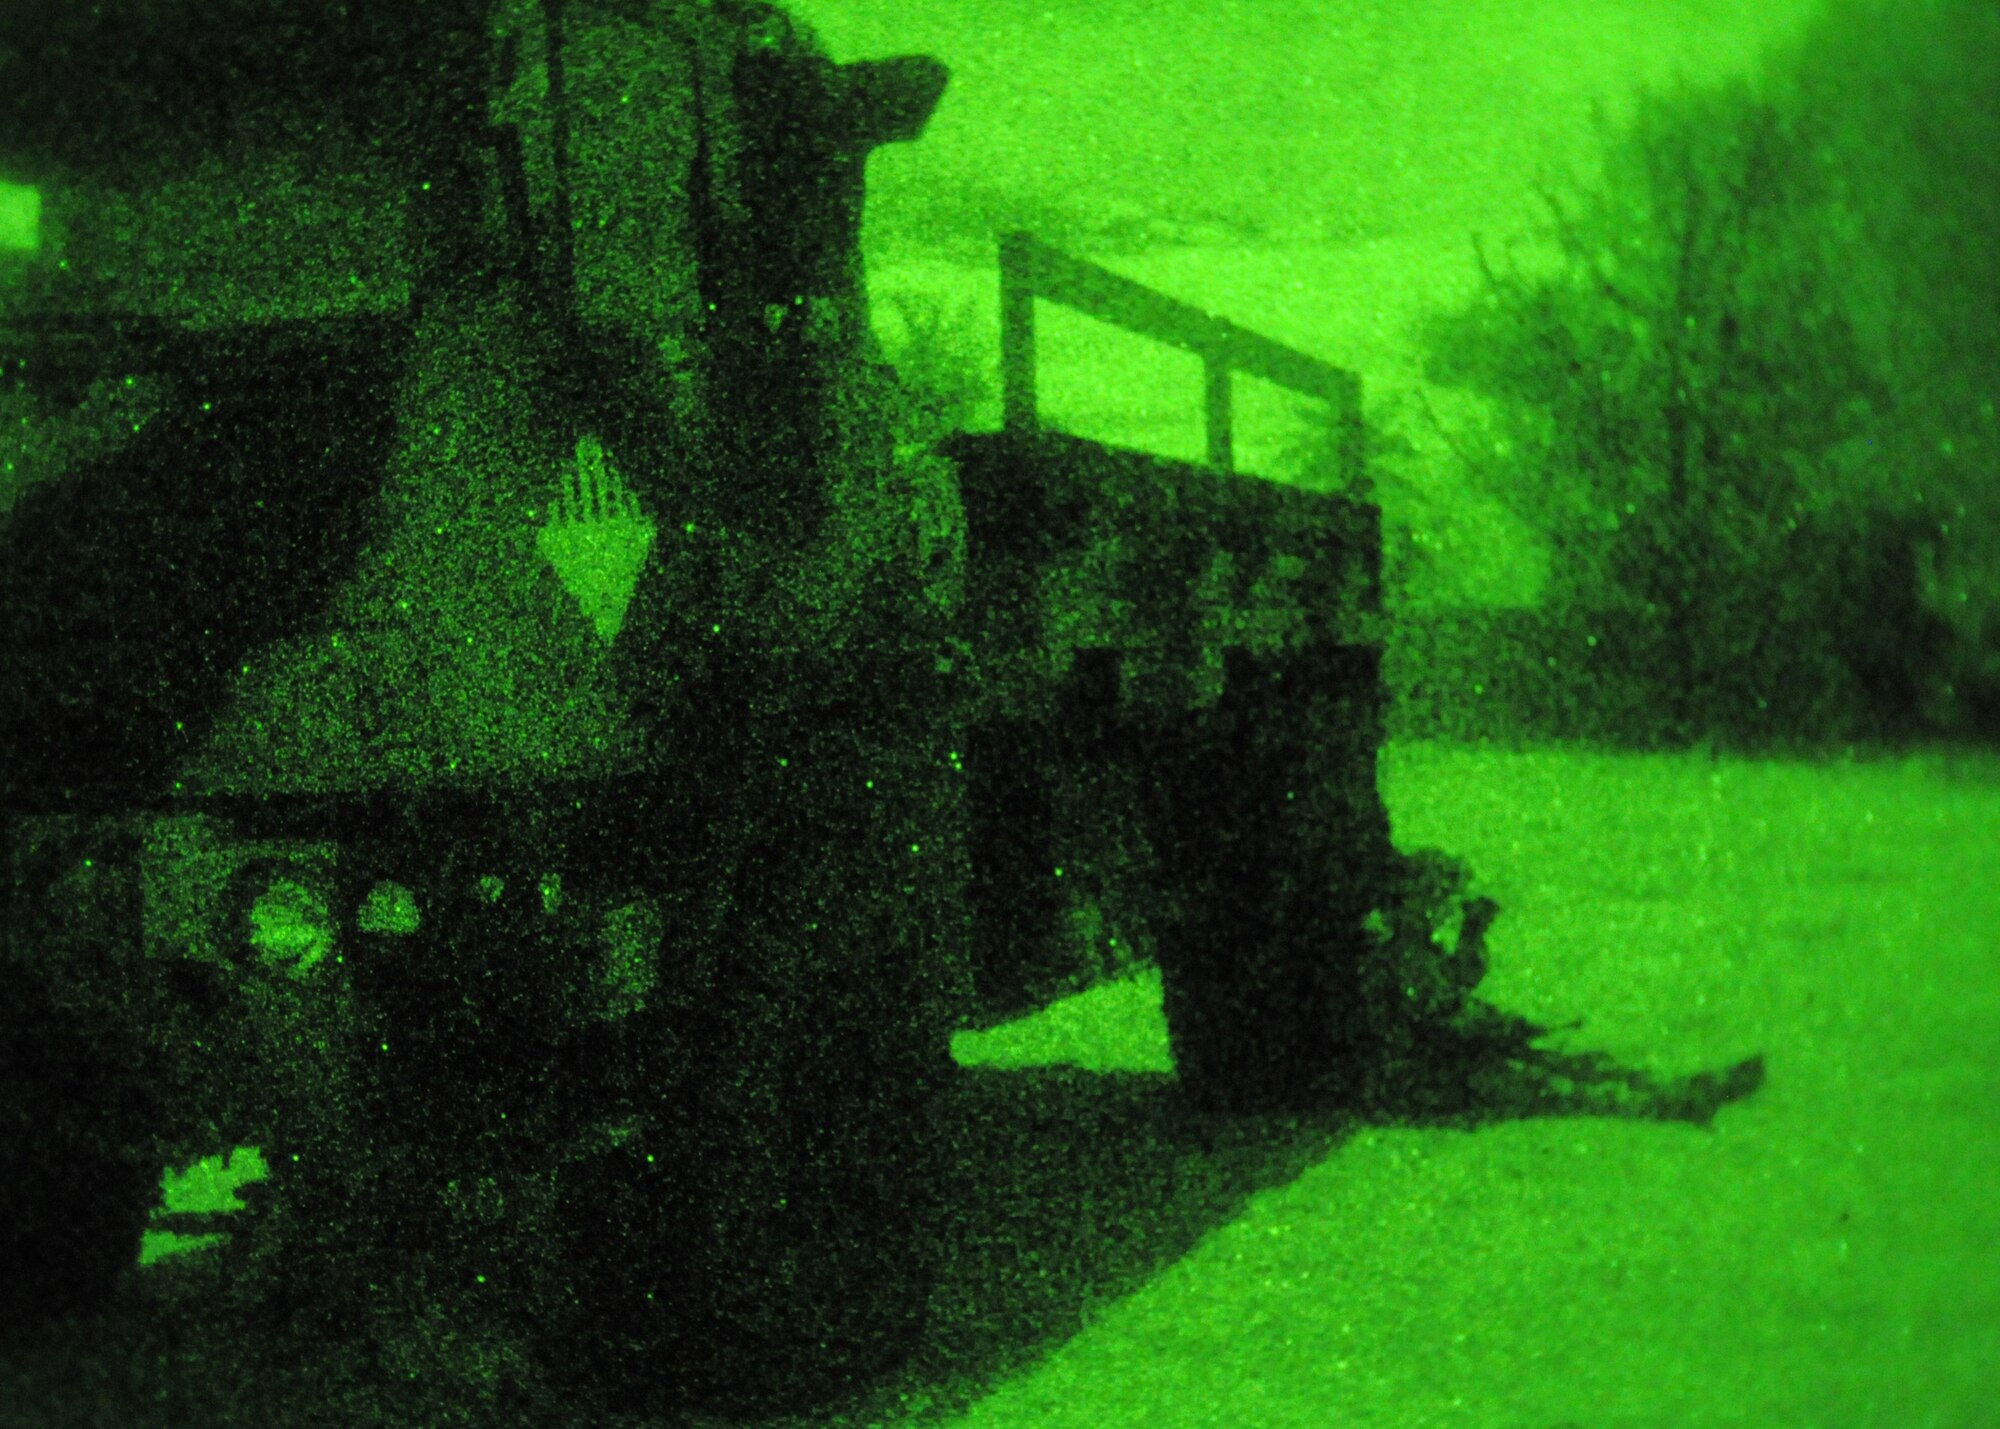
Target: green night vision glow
{"points": [[20, 218]]}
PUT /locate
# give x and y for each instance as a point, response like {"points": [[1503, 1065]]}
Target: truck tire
{"points": [[759, 1243], [78, 1179]]}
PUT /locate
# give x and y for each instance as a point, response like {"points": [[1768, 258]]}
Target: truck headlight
{"points": [[289, 923], [389, 908], [628, 968]]}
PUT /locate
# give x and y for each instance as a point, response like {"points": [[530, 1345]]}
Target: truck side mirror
{"points": [[887, 101]]}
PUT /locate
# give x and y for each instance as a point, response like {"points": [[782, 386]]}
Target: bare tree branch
{"points": [[1573, 240]]}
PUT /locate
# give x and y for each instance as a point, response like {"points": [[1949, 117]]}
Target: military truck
{"points": [[491, 717]]}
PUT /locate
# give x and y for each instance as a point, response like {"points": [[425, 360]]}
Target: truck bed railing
{"points": [[1031, 269]]}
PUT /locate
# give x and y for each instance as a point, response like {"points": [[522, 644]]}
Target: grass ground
{"points": [[1828, 1254]]}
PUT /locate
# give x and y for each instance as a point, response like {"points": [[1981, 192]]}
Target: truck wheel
{"points": [[760, 1242], [78, 1179], [820, 1278], [1270, 829], [759, 1246]]}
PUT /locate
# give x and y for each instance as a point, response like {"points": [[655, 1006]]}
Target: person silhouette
{"points": [[1437, 1052]]}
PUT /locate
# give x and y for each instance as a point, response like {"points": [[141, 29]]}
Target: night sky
{"points": [[1313, 122]]}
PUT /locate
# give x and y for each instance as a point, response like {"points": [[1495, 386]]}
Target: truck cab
{"points": [[488, 717]]}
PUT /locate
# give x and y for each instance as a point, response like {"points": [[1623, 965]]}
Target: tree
{"points": [[1683, 404], [944, 382], [1907, 94], [1412, 517]]}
